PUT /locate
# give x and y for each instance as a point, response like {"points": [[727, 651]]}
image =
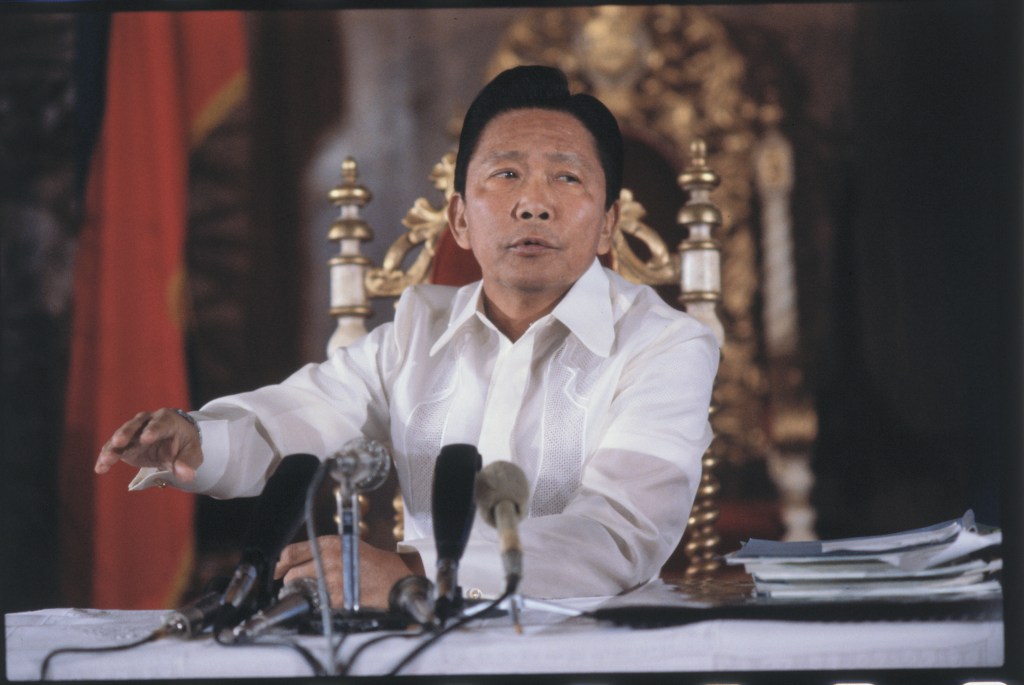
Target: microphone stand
{"points": [[360, 466], [348, 531], [352, 616], [515, 602]]}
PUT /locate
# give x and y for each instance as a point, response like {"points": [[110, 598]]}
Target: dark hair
{"points": [[540, 87]]}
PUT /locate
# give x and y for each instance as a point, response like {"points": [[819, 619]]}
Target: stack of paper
{"points": [[957, 556]]}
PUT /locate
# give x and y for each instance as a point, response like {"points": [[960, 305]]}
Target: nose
{"points": [[534, 202], [527, 214]]}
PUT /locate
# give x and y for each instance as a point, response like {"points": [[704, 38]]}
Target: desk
{"points": [[550, 643]]}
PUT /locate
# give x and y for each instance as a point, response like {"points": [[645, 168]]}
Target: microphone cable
{"points": [[261, 641], [166, 629], [347, 667], [509, 591], [152, 637], [321, 574]]}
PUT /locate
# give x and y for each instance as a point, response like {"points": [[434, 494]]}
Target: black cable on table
{"points": [[155, 635], [372, 641], [441, 633], [315, 664]]}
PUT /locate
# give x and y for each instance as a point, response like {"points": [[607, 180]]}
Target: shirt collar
{"points": [[465, 304], [586, 310]]}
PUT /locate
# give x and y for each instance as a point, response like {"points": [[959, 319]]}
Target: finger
{"points": [[128, 432], [335, 585], [292, 556], [299, 553], [106, 459], [306, 570], [162, 425]]}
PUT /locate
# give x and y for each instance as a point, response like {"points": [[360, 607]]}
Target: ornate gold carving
{"points": [[660, 268], [426, 223]]}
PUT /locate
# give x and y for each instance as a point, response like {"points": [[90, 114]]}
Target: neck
{"points": [[514, 318]]}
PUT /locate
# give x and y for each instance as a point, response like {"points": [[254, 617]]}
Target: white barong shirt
{"points": [[603, 403]]}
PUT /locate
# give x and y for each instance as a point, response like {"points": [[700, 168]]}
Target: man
{"points": [[594, 386]]}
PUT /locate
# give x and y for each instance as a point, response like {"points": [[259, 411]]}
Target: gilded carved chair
{"points": [[679, 87], [693, 266]]}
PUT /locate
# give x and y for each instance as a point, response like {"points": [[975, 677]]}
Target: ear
{"points": [[457, 220], [611, 223]]}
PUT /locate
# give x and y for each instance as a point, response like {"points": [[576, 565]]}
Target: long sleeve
{"points": [[314, 411]]}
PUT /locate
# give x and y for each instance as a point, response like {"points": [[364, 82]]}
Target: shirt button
{"points": [[475, 593]]}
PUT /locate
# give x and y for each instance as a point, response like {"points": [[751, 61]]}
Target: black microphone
{"points": [[452, 511], [192, 618], [501, 494], [297, 599], [278, 513], [413, 596]]}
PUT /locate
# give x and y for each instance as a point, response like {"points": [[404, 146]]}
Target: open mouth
{"points": [[531, 245]]}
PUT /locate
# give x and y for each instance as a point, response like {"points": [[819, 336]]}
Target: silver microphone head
{"points": [[296, 599], [413, 596], [361, 465]]}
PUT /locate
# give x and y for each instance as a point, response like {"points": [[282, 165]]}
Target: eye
{"points": [[506, 173], [569, 178]]}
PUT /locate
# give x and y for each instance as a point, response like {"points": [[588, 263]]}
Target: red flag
{"points": [[170, 78]]}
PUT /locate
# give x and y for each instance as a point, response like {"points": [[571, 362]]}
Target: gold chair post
{"points": [[701, 291], [792, 418], [349, 302]]}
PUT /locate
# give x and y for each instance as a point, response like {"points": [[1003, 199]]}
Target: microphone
{"points": [[452, 513], [278, 513], [297, 599], [501, 494], [412, 596], [361, 465], [194, 617]]}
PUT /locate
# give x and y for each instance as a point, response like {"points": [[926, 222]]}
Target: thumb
{"points": [[187, 456], [183, 472]]}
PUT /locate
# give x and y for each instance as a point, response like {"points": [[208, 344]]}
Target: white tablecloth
{"points": [[550, 643]]}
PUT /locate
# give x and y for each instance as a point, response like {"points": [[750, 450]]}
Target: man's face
{"points": [[533, 212]]}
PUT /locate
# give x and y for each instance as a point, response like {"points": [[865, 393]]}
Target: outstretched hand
{"points": [[161, 439]]}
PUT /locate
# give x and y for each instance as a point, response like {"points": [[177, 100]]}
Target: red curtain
{"points": [[170, 78]]}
